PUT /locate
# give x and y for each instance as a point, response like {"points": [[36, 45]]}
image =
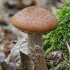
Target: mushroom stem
{"points": [[36, 50]]}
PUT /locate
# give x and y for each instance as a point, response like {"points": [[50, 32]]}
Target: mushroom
{"points": [[35, 21]]}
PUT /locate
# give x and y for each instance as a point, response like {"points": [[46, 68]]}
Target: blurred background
{"points": [[9, 7]]}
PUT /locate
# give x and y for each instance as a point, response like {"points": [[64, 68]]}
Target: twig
{"points": [[68, 47]]}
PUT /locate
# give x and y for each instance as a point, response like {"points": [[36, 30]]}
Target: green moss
{"points": [[55, 39]]}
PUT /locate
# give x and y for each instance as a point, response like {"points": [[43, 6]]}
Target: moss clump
{"points": [[55, 39]]}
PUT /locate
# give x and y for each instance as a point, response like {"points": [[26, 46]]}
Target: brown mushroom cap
{"points": [[34, 19]]}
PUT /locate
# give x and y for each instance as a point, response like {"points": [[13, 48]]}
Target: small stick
{"points": [[68, 47]]}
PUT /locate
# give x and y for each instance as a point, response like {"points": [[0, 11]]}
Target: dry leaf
{"points": [[8, 47], [21, 45], [54, 57]]}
